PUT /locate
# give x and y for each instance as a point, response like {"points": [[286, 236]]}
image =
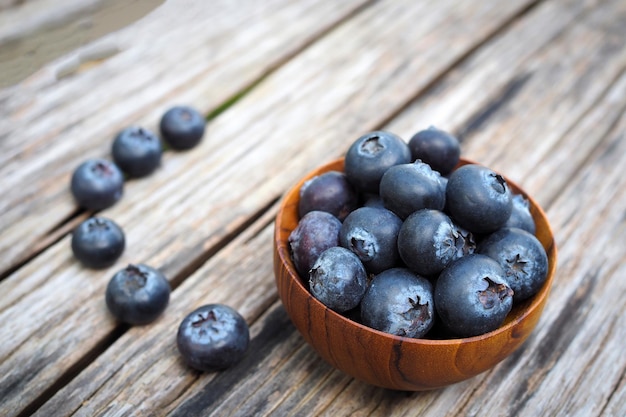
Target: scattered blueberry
{"points": [[98, 242], [472, 296], [372, 234], [437, 148], [137, 294], [521, 216], [407, 188], [330, 192], [97, 184], [182, 127], [399, 302], [371, 155], [338, 279], [428, 241], [137, 151], [316, 232], [522, 257], [478, 199], [213, 337]]}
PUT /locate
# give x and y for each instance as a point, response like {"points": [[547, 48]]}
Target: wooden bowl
{"points": [[390, 361]]}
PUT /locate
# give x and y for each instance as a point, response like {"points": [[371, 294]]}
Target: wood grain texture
{"points": [[173, 241], [47, 276], [49, 125], [557, 97], [36, 32]]}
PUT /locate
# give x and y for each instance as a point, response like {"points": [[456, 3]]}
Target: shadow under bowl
{"points": [[390, 361]]}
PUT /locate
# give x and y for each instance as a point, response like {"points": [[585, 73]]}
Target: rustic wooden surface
{"points": [[535, 89]]}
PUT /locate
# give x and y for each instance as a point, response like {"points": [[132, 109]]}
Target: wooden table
{"points": [[534, 89]]}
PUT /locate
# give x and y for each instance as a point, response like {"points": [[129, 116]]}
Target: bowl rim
{"points": [[524, 309]]}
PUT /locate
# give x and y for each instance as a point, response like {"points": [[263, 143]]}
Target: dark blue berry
{"points": [[137, 294], [372, 234], [437, 148], [315, 232], [330, 192], [520, 216], [371, 155], [213, 337], [338, 279], [137, 151], [407, 188], [373, 200], [478, 199], [97, 184], [98, 242], [182, 127], [399, 302], [522, 257], [472, 296], [429, 241]]}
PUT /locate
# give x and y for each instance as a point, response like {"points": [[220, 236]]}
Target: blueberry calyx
{"points": [[371, 146], [136, 278], [499, 185], [517, 265], [416, 314], [363, 246], [494, 294], [456, 242], [210, 316]]}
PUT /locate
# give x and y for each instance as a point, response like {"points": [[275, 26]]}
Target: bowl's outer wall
{"points": [[390, 361]]}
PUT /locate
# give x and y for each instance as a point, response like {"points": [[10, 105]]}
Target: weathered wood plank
{"points": [[55, 281], [474, 393], [234, 197], [35, 33], [48, 125], [578, 342], [581, 205], [576, 345]]}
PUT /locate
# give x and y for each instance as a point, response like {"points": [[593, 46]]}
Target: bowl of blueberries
{"points": [[408, 267]]}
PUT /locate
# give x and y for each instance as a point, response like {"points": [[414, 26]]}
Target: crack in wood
{"points": [[73, 370], [484, 115], [51, 237], [562, 330], [463, 57]]}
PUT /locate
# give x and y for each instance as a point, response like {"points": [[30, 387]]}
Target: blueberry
{"points": [[330, 192], [213, 337], [520, 215], [315, 232], [182, 127], [373, 200], [97, 184], [437, 148], [137, 294], [137, 151], [478, 199], [428, 241], [407, 188], [371, 155], [338, 279], [372, 234], [98, 242], [472, 296], [522, 257], [399, 302]]}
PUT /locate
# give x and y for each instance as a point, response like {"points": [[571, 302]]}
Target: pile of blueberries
{"points": [[212, 337], [407, 242]]}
